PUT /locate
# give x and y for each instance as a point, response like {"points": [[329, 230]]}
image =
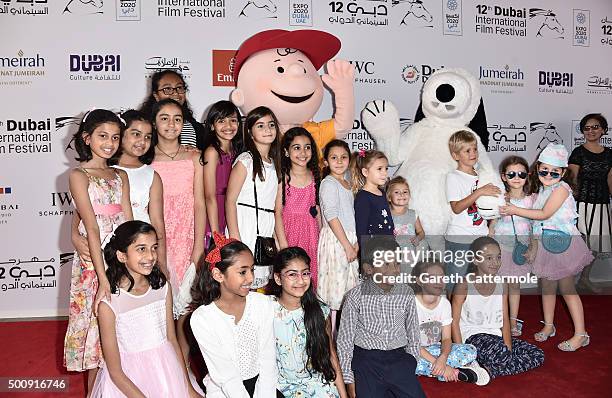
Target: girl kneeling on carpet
{"points": [[480, 316], [233, 326], [142, 356]]}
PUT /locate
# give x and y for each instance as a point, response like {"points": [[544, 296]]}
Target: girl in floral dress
{"points": [[102, 197], [305, 355]]}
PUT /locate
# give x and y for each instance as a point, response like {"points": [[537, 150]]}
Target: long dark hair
{"points": [[249, 143], [285, 163], [206, 289], [511, 161], [154, 111], [91, 120], [317, 339], [147, 105], [335, 143], [221, 110], [122, 238]]}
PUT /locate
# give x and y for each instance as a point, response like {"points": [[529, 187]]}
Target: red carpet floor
{"points": [[35, 349]]}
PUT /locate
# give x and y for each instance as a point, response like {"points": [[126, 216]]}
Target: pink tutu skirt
{"points": [[509, 268], [558, 266], [156, 372]]}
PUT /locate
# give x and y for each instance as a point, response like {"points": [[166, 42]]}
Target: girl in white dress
{"points": [[254, 170]]}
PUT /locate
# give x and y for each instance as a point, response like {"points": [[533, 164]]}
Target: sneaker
{"points": [[483, 376], [467, 375]]}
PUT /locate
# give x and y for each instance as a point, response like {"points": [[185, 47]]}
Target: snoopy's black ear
{"points": [[479, 124], [419, 115]]}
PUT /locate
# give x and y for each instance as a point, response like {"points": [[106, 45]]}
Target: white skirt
{"points": [[336, 275]]}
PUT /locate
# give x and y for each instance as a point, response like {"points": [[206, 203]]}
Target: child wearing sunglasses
{"points": [[561, 252], [513, 231]]}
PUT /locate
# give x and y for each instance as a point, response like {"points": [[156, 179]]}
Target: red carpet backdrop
{"points": [[542, 65]]}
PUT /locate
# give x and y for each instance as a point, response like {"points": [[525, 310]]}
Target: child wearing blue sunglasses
{"points": [[561, 252], [514, 233]]}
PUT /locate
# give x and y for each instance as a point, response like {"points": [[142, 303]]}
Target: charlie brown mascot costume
{"points": [[278, 69]]}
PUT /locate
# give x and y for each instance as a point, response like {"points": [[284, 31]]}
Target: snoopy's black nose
{"points": [[445, 93]]}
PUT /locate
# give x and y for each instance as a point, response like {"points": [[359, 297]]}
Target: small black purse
{"points": [[265, 250]]}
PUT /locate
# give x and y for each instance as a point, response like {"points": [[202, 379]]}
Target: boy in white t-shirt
{"points": [[465, 224]]}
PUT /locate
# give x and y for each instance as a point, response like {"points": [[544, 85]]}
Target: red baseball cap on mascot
{"points": [[317, 45]]}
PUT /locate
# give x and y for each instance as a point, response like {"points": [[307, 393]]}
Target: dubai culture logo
{"points": [[361, 13], [548, 26]]}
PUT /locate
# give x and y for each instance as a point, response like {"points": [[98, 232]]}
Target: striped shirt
{"points": [[188, 135], [376, 320]]}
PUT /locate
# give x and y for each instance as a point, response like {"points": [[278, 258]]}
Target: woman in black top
{"points": [[591, 163], [169, 83]]}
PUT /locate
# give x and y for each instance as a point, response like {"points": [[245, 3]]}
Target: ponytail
{"points": [[362, 160]]}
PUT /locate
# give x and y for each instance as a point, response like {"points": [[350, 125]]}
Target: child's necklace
{"points": [[171, 157]]}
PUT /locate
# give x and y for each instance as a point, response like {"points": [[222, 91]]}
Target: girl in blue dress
{"points": [[305, 356]]}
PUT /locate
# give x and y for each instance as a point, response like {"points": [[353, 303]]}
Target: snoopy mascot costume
{"points": [[450, 99]]}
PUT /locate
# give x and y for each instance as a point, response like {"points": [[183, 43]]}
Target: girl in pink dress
{"points": [[102, 198], [181, 174], [222, 145], [298, 216], [142, 356], [561, 253], [514, 171]]}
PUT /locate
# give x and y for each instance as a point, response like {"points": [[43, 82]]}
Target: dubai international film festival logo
{"points": [[501, 20], [452, 19], [208, 9], [546, 23], [510, 138], [84, 7], [223, 68], [549, 134], [415, 13], [25, 136], [259, 9], [582, 28], [371, 13], [36, 7]]}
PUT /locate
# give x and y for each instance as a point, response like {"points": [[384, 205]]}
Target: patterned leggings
{"points": [[499, 361], [460, 355]]}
